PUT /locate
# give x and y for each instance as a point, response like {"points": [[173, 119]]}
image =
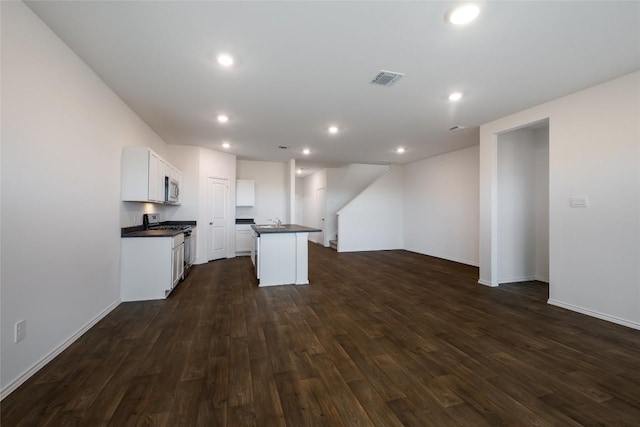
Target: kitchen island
{"points": [[280, 254]]}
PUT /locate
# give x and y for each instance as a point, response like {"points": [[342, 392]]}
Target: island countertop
{"points": [[284, 228]]}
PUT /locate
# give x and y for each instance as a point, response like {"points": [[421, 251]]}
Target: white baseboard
{"points": [[518, 279], [56, 351], [596, 314], [525, 279], [485, 283], [458, 260]]}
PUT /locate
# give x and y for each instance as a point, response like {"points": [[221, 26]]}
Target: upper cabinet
{"points": [[245, 192], [155, 178], [145, 174]]}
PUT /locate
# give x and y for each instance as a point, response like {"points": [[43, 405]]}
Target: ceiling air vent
{"points": [[457, 128], [386, 78]]}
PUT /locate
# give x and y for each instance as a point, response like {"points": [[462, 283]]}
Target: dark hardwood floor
{"points": [[385, 338]]}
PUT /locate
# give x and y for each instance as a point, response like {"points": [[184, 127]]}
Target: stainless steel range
{"points": [[189, 249], [152, 222]]}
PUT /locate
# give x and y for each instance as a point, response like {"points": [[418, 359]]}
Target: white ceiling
{"points": [[303, 65]]}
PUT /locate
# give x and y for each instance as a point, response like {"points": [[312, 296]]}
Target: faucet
{"points": [[277, 222]]}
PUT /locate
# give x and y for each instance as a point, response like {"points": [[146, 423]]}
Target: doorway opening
{"points": [[523, 204]]}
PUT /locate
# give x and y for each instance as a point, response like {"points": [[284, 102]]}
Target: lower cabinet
{"points": [[244, 239], [282, 259], [150, 267], [177, 261]]}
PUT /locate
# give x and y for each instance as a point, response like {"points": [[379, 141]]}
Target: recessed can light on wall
{"points": [[223, 118], [225, 60], [462, 14]]}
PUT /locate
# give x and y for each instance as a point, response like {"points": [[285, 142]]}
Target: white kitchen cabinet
{"points": [[244, 239], [142, 175], [150, 267], [156, 177], [245, 192], [177, 261]]}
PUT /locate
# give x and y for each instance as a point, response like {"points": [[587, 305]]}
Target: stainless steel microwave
{"points": [[171, 190]]}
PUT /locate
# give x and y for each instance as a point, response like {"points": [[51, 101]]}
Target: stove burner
{"points": [[169, 227]]}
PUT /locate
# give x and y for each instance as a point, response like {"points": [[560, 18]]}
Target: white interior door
{"points": [[218, 197]]}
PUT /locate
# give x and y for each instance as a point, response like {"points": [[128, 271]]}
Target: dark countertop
{"points": [[139, 231], [245, 221], [284, 228], [152, 233]]}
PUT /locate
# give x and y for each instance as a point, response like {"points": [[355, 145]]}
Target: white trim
{"points": [[10, 388], [596, 314], [518, 279], [485, 283], [525, 279], [457, 260]]}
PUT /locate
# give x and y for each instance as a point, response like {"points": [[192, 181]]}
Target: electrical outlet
{"points": [[20, 331]]}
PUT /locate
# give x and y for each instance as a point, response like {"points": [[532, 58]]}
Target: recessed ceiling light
{"points": [[299, 171], [225, 60], [223, 118], [306, 151], [455, 96], [333, 129], [462, 14], [400, 150], [226, 145]]}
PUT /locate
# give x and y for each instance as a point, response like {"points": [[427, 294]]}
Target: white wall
{"points": [[63, 131], [187, 160], [541, 204], [292, 192], [343, 184], [196, 165], [214, 164], [373, 220], [441, 206], [520, 235], [594, 151], [272, 197], [313, 210], [299, 201]]}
